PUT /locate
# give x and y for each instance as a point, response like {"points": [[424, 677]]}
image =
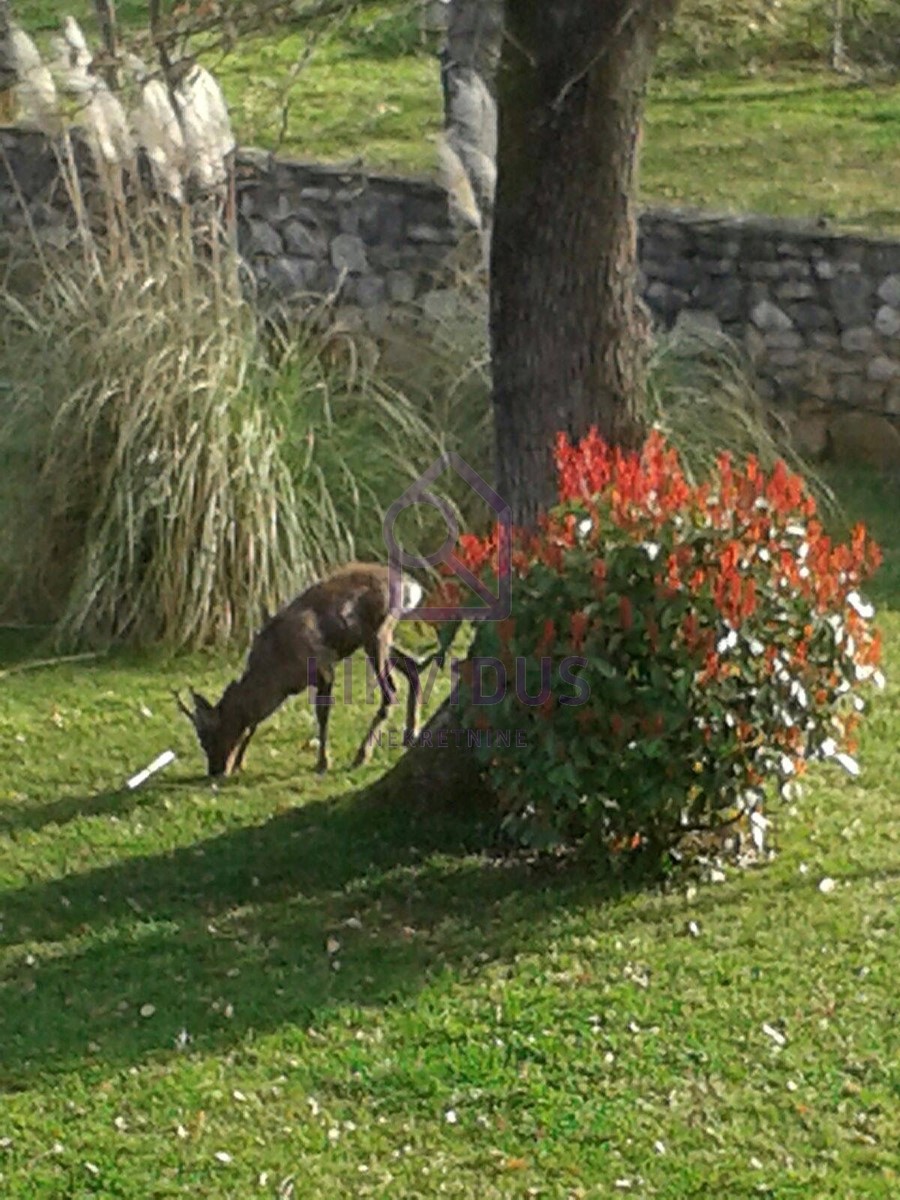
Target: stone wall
{"points": [[817, 312], [381, 241]]}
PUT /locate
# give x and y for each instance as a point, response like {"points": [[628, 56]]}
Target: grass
{"points": [[746, 129], [495, 1028]]}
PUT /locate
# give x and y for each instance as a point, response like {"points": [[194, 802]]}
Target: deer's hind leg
{"points": [[378, 650], [408, 666]]}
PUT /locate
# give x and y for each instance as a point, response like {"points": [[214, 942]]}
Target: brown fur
{"points": [[300, 646]]}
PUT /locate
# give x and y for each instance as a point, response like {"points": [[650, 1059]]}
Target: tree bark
{"points": [[568, 331]]}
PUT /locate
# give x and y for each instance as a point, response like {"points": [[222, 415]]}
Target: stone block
{"points": [[851, 300], [370, 290], [305, 238], [882, 369], [811, 317], [349, 254], [858, 341], [724, 296], [887, 321], [401, 287], [889, 292], [768, 316], [697, 320], [783, 339], [795, 289], [262, 239], [291, 275]]}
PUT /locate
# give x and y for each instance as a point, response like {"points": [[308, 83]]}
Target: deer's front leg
{"points": [[242, 750], [323, 703]]}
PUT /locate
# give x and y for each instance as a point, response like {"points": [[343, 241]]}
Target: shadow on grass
{"points": [[229, 935], [16, 818], [228, 939]]}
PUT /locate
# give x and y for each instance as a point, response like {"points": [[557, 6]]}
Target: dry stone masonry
{"points": [[817, 312], [379, 241]]}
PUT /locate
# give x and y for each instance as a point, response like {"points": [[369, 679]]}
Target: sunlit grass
{"points": [[767, 135], [176, 1021]]}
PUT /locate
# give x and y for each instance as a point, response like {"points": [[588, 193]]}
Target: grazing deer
{"points": [[299, 647]]}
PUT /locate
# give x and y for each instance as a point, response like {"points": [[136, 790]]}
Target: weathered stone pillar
{"points": [[469, 60]]}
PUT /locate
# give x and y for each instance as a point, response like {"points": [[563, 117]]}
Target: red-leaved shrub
{"points": [[672, 650]]}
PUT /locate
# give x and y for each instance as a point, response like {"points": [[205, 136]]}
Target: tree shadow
{"points": [[119, 802], [354, 901], [231, 934]]}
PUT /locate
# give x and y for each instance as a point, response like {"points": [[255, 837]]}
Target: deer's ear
{"points": [[204, 712], [183, 708]]}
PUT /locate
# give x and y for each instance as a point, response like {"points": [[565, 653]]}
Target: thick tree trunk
{"points": [[440, 771], [568, 332]]}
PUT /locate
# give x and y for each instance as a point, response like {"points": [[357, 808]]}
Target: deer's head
{"points": [[222, 736]]}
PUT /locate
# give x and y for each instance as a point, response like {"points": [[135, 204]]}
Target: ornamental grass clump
{"points": [[676, 652]]}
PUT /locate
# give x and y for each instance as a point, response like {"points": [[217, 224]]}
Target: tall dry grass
{"points": [[166, 473]]}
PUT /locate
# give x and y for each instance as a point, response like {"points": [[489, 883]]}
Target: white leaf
{"points": [[861, 607], [776, 1035], [850, 765]]}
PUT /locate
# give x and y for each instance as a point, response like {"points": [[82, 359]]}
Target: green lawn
{"points": [[779, 138], [175, 1022]]}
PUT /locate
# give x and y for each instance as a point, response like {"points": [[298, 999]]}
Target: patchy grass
{"points": [[766, 133], [484, 1028], [791, 143]]}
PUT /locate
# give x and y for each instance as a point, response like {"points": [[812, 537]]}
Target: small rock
{"points": [[767, 315], [348, 253], [887, 321], [889, 291]]}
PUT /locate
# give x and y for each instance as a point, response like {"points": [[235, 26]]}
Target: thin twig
{"points": [[50, 662]]}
